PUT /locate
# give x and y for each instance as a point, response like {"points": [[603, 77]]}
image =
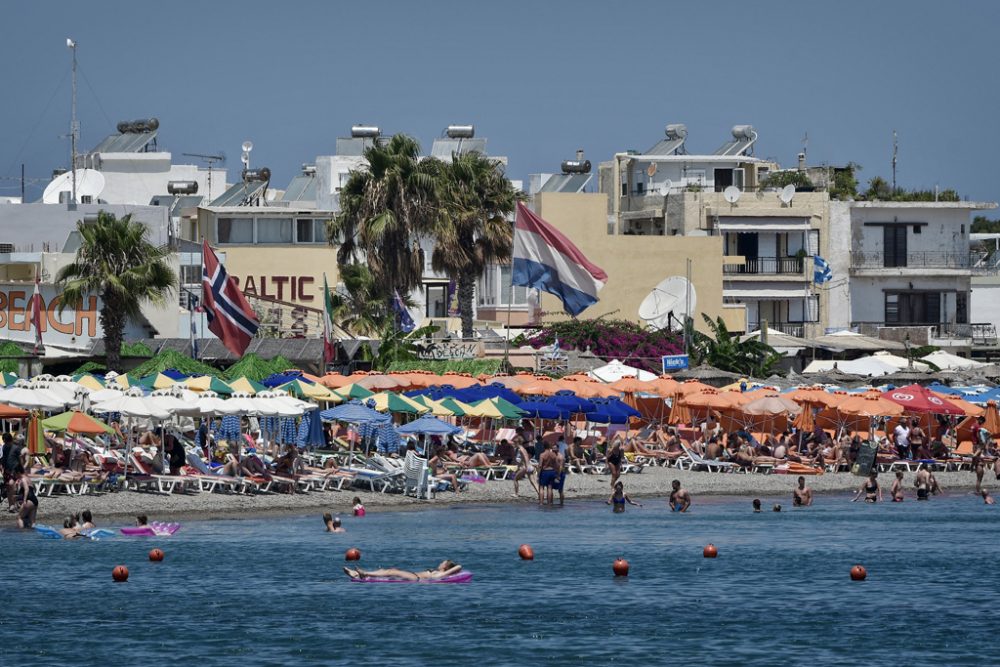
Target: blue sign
{"points": [[675, 362]]}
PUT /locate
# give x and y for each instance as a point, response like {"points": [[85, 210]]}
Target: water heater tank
{"points": [[576, 166], [182, 187], [460, 131], [676, 131], [743, 132], [365, 131]]}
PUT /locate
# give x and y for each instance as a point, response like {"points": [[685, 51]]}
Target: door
{"points": [[747, 246], [894, 243]]}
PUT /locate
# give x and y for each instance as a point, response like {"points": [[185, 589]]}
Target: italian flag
{"points": [[328, 351]]}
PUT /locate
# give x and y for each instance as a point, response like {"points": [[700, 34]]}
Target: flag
{"points": [[821, 271], [406, 324], [328, 351], [36, 315], [545, 259], [230, 316]]}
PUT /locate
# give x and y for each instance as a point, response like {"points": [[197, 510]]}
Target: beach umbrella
{"points": [[311, 433], [992, 419], [277, 379], [335, 380], [814, 396], [588, 388], [631, 385], [772, 404], [75, 421], [158, 381], [567, 400], [7, 379], [300, 389], [89, 381], [432, 406], [23, 395], [460, 380], [428, 425], [805, 421], [616, 370], [458, 408], [541, 386], [353, 412], [378, 382], [510, 381], [693, 387], [968, 408], [354, 391], [713, 400], [208, 383], [612, 411], [245, 385], [132, 404], [507, 409], [387, 401], [915, 398], [11, 412], [540, 410], [679, 412], [861, 405]]}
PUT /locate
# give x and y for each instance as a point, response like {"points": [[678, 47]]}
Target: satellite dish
{"points": [[89, 183], [732, 194], [651, 169], [674, 296], [787, 194], [247, 146], [665, 187]]}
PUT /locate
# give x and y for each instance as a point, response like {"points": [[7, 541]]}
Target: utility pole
{"points": [[895, 145], [74, 126]]}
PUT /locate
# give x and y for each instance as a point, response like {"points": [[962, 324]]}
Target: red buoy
{"points": [[526, 552], [156, 555], [120, 573], [620, 567], [858, 573], [710, 551], [353, 554]]}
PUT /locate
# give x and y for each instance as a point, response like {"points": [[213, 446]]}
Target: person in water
{"points": [[802, 495], [333, 524], [922, 482], [88, 520], [70, 531], [897, 488], [445, 569], [870, 490], [680, 499], [987, 498], [24, 494], [756, 506], [141, 520], [359, 509], [776, 508], [619, 498]]}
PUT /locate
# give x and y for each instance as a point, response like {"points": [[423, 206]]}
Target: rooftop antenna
{"points": [[245, 159], [805, 144], [210, 160], [895, 145], [74, 126]]}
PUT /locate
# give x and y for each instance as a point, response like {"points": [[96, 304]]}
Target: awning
{"points": [[730, 223]]}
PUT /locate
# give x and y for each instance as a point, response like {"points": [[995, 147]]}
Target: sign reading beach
{"points": [[74, 327]]}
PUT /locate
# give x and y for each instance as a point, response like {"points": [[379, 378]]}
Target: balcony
{"points": [[927, 333], [929, 259], [769, 266], [787, 328]]}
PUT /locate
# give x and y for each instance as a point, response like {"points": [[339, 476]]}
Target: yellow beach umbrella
{"points": [[484, 408], [435, 408], [245, 385], [392, 402]]}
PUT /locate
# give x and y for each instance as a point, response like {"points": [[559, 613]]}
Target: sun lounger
{"points": [[697, 460], [145, 478], [417, 479], [377, 480]]}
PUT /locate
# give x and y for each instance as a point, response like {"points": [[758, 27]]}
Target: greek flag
{"points": [[821, 271]]}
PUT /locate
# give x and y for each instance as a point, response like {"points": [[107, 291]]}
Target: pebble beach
{"points": [[651, 483]]}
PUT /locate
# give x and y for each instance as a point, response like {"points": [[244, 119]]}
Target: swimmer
{"points": [[897, 488], [619, 498], [444, 569], [802, 495], [69, 531], [776, 508], [359, 509], [141, 520], [922, 482], [870, 490], [987, 498], [680, 499], [88, 520], [756, 505], [980, 469], [333, 524]]}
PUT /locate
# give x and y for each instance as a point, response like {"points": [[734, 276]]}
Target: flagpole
{"points": [[510, 300]]}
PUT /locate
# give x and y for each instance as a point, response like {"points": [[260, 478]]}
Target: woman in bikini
{"points": [[525, 468], [614, 460], [870, 490], [444, 569], [438, 470], [619, 498]]}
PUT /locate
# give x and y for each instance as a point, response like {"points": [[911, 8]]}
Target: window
{"points": [[274, 230], [191, 274], [962, 307], [913, 307], [234, 230], [437, 301], [308, 230], [520, 292]]}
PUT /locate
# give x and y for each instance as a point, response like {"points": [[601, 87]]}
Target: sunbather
{"points": [[476, 460], [438, 469], [444, 569]]}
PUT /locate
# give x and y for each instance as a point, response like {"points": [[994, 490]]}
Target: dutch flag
{"points": [[545, 259]]}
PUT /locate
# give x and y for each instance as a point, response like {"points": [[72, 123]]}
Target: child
{"points": [[359, 509], [619, 498], [756, 505]]}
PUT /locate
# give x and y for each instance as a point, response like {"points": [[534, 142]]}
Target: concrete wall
{"points": [[946, 230], [984, 304], [37, 227], [838, 290], [634, 264]]}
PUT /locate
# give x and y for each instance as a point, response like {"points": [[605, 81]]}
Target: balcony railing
{"points": [[787, 328], [980, 333], [766, 266], [930, 259]]}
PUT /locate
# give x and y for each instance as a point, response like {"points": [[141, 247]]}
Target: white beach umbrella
{"points": [[102, 395], [270, 404], [132, 404], [24, 394]]}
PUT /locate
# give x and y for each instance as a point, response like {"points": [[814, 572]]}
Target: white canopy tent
{"points": [[948, 361], [616, 370]]}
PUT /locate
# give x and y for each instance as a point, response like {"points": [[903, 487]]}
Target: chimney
{"points": [[802, 161]]}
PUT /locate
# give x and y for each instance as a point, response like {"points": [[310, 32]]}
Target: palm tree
{"points": [[384, 209], [472, 229], [358, 308], [727, 352], [116, 262]]}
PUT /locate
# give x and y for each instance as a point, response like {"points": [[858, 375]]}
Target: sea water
{"points": [[271, 591]]}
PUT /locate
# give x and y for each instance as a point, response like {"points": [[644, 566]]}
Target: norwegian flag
{"points": [[230, 316]]}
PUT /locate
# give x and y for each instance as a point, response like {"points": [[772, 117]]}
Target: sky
{"points": [[538, 80]]}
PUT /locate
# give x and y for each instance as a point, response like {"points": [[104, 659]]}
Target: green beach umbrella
{"points": [[7, 379], [507, 409], [246, 386], [354, 390], [208, 383], [392, 402]]}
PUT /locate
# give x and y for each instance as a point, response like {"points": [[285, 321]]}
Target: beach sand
{"points": [[651, 483]]}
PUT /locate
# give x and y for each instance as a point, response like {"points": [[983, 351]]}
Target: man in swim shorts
{"points": [[922, 482], [802, 495], [680, 499], [548, 473]]}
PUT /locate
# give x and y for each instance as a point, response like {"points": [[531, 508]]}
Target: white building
{"points": [[910, 270]]}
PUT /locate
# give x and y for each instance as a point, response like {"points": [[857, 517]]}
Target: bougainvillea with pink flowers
{"points": [[609, 339]]}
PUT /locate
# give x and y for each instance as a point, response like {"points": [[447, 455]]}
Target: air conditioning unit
{"points": [[6, 248]]}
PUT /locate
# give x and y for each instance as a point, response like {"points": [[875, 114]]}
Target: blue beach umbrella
{"points": [[541, 410], [428, 425], [278, 379], [353, 413], [567, 400]]}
